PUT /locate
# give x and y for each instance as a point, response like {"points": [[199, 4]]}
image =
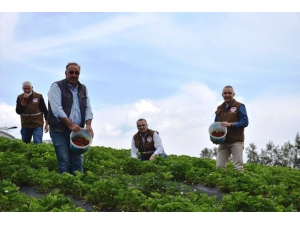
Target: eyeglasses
{"points": [[142, 125], [72, 72], [225, 93]]}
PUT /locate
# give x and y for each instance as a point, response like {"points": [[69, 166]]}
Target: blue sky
{"points": [[169, 68]]}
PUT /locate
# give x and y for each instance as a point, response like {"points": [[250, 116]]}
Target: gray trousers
{"points": [[234, 149]]}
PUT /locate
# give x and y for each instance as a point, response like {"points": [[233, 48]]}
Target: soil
{"points": [[33, 192]]}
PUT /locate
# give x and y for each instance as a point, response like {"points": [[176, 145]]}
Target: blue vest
{"points": [[66, 103]]}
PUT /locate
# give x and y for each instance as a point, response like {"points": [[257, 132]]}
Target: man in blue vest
{"points": [[69, 110]]}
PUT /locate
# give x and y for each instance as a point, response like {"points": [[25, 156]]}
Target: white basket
{"points": [[82, 133], [217, 126]]}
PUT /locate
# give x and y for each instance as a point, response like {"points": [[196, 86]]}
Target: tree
{"points": [[282, 156], [269, 155], [296, 152], [252, 154], [209, 153], [206, 153]]}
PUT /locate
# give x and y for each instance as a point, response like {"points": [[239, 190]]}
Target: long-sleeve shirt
{"points": [[157, 144], [54, 96], [243, 122]]}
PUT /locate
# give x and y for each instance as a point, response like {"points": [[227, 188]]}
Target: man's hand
{"points": [[25, 98], [90, 129], [74, 127], [226, 124], [46, 128], [152, 157]]}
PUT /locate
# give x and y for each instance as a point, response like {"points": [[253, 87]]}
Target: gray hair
{"points": [[72, 64], [228, 86], [141, 120], [26, 83]]}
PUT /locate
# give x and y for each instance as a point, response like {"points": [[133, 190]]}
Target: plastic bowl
{"points": [[82, 133], [217, 126]]}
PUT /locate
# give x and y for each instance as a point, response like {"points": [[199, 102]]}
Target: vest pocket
{"points": [[83, 98], [66, 100]]}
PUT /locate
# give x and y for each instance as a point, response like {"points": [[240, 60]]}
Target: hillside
{"points": [[112, 181]]}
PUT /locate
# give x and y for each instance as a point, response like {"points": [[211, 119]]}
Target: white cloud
{"points": [[101, 33], [183, 120], [8, 22], [180, 48], [111, 130], [273, 119], [9, 118]]}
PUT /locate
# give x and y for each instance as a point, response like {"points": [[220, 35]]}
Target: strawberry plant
{"points": [[112, 180]]}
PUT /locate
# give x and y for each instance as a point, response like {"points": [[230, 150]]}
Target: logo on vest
{"points": [[233, 109], [149, 139], [35, 100]]}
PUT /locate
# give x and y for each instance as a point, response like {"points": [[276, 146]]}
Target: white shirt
{"points": [[157, 144]]}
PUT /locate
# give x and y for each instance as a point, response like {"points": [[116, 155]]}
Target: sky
{"points": [[166, 61], [167, 67]]}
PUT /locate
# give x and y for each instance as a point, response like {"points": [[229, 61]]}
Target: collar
{"points": [[71, 87], [143, 135], [225, 106]]}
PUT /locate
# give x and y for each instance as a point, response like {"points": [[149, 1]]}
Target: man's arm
{"points": [[44, 109], [88, 127], [89, 116], [19, 107], [54, 97], [134, 150], [243, 122], [216, 118], [158, 145]]}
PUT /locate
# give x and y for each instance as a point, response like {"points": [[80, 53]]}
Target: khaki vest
{"points": [[148, 148], [32, 117], [232, 115]]}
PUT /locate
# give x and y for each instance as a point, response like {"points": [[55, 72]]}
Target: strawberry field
{"points": [[112, 181]]}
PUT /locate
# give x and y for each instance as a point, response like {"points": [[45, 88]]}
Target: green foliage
{"points": [[112, 180]]}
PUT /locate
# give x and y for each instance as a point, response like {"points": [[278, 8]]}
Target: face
{"points": [[72, 74], [142, 126], [27, 89], [228, 95]]}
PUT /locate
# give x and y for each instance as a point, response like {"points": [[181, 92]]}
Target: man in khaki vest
{"points": [[147, 142], [32, 109], [233, 115]]}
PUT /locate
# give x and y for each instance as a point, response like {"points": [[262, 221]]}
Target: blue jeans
{"points": [[37, 134], [68, 161]]}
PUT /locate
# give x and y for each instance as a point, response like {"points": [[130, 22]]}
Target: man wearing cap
{"points": [[32, 109], [233, 115], [147, 142]]}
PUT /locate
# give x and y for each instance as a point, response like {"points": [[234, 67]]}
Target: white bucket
{"points": [[82, 133], [217, 126]]}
